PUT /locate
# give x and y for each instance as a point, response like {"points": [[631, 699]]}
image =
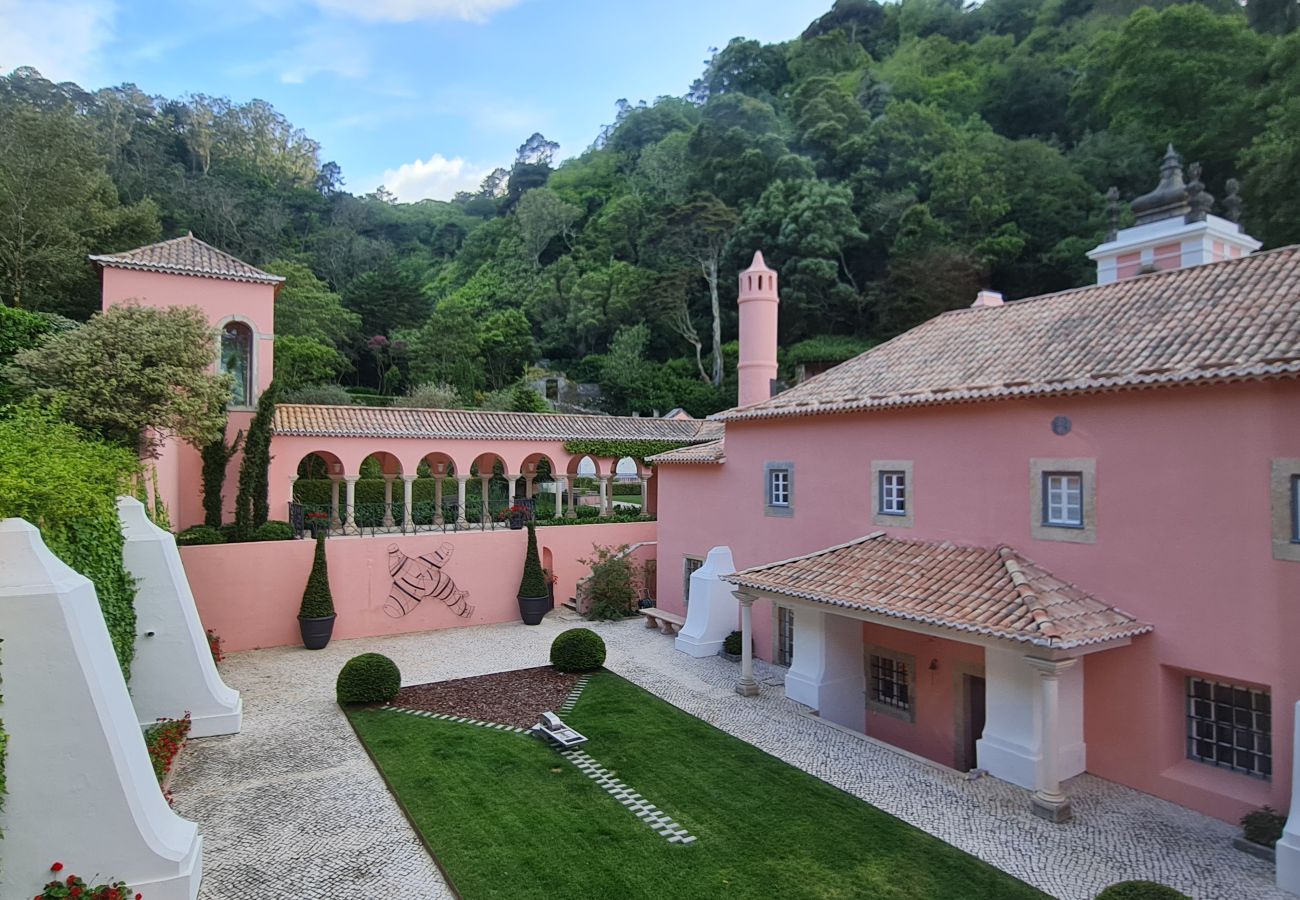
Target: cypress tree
{"points": [[252, 507], [216, 457], [317, 601], [533, 584]]}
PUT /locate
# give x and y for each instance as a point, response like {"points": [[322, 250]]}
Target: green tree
{"points": [[133, 375], [305, 307], [542, 217], [302, 361], [387, 298], [699, 232]]}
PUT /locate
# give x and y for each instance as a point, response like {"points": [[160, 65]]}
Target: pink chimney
{"points": [[758, 311]]}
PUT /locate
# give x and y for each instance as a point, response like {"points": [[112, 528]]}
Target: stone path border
{"points": [[424, 713], [572, 700], [656, 819]]}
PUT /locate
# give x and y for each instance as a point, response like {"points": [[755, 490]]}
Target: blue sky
{"points": [[424, 96]]}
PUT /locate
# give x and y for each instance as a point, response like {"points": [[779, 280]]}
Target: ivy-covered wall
{"points": [[638, 450], [67, 486]]}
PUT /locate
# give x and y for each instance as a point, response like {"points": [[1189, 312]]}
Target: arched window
{"points": [[237, 361]]}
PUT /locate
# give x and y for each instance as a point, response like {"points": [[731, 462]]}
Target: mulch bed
{"points": [[512, 698]]}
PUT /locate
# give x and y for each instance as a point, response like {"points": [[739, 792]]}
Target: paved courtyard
{"points": [[293, 807]]}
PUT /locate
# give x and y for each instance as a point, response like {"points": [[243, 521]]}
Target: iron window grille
{"points": [[893, 493], [689, 565], [784, 636], [778, 487], [890, 685], [1063, 499], [1230, 726]]}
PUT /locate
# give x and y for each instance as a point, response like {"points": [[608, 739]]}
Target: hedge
{"points": [[67, 486], [1141, 890], [368, 678]]}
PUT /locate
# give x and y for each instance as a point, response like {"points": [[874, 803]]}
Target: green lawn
{"points": [[507, 817]]}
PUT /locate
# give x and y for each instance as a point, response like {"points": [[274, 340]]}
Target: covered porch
{"points": [[969, 656]]}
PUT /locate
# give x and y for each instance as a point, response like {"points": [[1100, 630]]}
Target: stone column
{"points": [[461, 481], [1048, 800], [604, 495], [408, 502], [438, 518], [561, 485], [293, 480], [645, 493], [485, 482], [1288, 847], [573, 484], [388, 500], [335, 521], [528, 486], [746, 686], [350, 523], [510, 489]]}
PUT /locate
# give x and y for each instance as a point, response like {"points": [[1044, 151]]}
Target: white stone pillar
{"points": [[712, 608], [335, 521], [1048, 800], [572, 513], [461, 481], [438, 518], [1011, 745], [1288, 847], [388, 501], [746, 686], [173, 672], [645, 493], [604, 495], [293, 480], [408, 502], [561, 485], [350, 523], [827, 667], [528, 486], [485, 512], [80, 785], [510, 489]]}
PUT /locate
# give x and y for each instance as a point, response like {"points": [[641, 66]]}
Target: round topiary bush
{"points": [[273, 531], [368, 678], [732, 643], [1141, 890], [578, 650]]}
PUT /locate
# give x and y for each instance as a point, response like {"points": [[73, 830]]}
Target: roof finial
{"points": [[1200, 200], [189, 233], [1169, 199], [1232, 203], [1112, 213]]}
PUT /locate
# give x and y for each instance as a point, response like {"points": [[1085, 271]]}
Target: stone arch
{"points": [[538, 473], [237, 356], [434, 490], [317, 482], [377, 494]]}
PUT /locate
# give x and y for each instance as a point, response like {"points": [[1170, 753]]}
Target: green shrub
{"points": [[198, 535], [533, 583], [251, 504], [626, 490], [578, 650], [733, 643], [67, 486], [587, 512], [317, 601], [1263, 826], [368, 678], [319, 395], [216, 456], [613, 585], [1141, 890], [273, 531]]}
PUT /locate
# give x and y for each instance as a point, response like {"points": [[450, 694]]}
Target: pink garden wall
{"points": [[249, 593], [1183, 541]]}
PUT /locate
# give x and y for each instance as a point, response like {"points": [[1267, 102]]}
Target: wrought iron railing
{"points": [[426, 516]]}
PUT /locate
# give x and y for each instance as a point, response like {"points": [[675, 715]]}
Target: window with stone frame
{"points": [[1063, 499], [889, 682], [778, 487], [237, 361], [893, 493], [1230, 726], [689, 565]]}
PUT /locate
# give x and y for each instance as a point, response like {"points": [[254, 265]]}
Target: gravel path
{"points": [[515, 698]]}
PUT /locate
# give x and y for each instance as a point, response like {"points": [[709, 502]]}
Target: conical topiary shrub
{"points": [[316, 614], [534, 592]]}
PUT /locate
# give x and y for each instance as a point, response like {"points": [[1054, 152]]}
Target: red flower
{"points": [[75, 892], [72, 879], [57, 867], [139, 897]]}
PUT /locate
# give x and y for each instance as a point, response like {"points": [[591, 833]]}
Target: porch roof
{"points": [[711, 453], [991, 591]]}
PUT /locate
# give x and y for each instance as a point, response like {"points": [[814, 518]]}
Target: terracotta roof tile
{"points": [[990, 591], [710, 453], [187, 256], [1227, 321], [467, 424]]}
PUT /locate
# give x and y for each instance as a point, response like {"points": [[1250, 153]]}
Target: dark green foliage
{"points": [[216, 457], [200, 534], [67, 486], [273, 531], [827, 348], [1263, 826], [533, 583], [368, 678], [251, 506], [317, 601], [21, 330], [613, 585], [578, 650], [733, 643], [638, 450], [1140, 890]]}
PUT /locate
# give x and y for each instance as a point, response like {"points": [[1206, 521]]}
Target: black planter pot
{"points": [[516, 522], [316, 633], [533, 609]]}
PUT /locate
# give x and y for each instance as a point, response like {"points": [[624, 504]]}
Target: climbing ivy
{"points": [[216, 457], [67, 486], [252, 507], [638, 450]]}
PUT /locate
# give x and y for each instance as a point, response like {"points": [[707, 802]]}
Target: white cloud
{"points": [[326, 49], [64, 39], [435, 178], [416, 10]]}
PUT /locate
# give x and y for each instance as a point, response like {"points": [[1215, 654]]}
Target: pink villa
{"points": [[1030, 538]]}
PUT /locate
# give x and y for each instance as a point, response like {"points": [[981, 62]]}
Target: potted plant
{"points": [[516, 515], [1260, 832], [316, 614], [317, 522], [534, 592]]}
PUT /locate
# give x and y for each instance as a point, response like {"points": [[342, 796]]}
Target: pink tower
{"points": [[758, 312]]}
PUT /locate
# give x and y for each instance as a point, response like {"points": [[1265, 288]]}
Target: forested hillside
{"points": [[889, 161]]}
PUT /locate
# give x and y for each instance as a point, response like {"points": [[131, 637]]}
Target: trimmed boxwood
{"points": [[317, 601], [368, 678], [273, 531], [199, 535], [1141, 890], [732, 643], [578, 650]]}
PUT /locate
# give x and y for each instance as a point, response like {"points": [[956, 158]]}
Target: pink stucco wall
{"points": [[1183, 541], [249, 593]]}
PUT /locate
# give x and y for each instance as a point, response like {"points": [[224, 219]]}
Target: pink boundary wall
{"points": [[1183, 541], [249, 593]]}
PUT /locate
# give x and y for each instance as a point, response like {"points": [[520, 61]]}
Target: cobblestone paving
{"points": [[293, 808]]}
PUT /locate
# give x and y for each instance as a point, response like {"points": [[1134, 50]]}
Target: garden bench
{"points": [[668, 623]]}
